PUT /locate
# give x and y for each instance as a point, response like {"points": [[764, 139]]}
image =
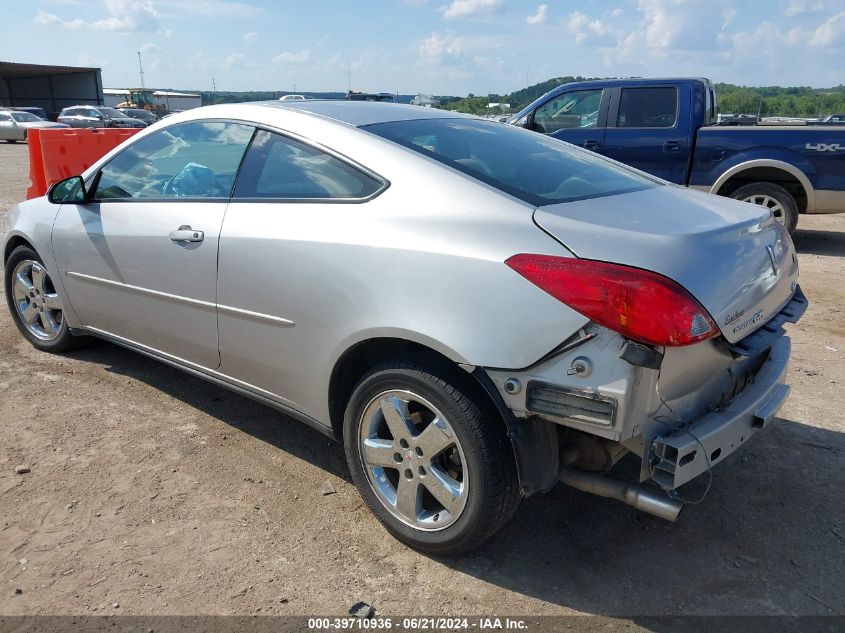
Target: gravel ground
{"points": [[157, 492]]}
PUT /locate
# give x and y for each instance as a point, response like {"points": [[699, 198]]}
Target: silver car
{"points": [[476, 311], [97, 117], [14, 125]]}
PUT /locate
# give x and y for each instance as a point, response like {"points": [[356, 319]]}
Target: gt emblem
{"points": [[772, 259], [824, 147]]}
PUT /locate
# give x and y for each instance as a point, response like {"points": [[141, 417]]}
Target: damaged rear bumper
{"points": [[686, 452]]}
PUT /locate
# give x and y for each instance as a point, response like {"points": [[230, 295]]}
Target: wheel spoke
{"points": [[379, 452], [29, 313], [446, 490], [38, 275], [395, 411], [434, 439], [408, 497], [22, 287], [50, 326], [52, 302]]}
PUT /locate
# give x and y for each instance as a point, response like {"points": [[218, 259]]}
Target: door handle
{"points": [[671, 146], [186, 234], [592, 145]]}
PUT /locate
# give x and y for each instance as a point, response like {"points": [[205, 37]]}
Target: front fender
{"points": [[32, 222]]}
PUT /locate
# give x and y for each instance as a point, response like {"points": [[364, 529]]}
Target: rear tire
{"points": [[35, 305], [11, 140], [774, 197], [413, 424]]}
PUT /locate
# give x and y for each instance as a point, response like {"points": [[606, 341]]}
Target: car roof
{"points": [[360, 113]]}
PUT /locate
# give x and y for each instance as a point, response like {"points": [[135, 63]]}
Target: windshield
{"points": [[527, 165], [24, 117]]}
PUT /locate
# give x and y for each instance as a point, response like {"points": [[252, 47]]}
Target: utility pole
{"points": [[141, 70], [213, 85], [349, 77]]}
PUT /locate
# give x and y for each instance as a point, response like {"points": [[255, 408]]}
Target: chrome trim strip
{"points": [[156, 293], [256, 315], [197, 302]]}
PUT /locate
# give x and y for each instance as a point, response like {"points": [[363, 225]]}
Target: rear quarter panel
{"points": [[423, 261]]}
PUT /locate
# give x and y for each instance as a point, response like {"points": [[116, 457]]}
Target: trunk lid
{"points": [[731, 256]]}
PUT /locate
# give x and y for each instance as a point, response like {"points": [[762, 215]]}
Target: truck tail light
{"points": [[638, 304]]}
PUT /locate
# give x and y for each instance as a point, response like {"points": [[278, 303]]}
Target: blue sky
{"points": [[430, 46]]}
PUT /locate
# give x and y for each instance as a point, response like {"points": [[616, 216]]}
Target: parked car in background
{"points": [[385, 97], [96, 117], [476, 311], [666, 127], [294, 98], [39, 112], [834, 118], [137, 113], [15, 124]]}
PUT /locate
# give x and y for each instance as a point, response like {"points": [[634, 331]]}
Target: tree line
{"points": [[799, 101]]}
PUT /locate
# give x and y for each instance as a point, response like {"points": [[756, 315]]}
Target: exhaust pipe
{"points": [[633, 494]]}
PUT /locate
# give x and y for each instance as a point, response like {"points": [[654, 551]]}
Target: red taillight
{"points": [[639, 304]]}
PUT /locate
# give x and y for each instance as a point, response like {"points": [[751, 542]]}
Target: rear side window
{"points": [[281, 168], [648, 107], [532, 167]]}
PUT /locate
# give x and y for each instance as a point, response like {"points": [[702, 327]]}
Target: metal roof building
{"points": [[49, 87]]}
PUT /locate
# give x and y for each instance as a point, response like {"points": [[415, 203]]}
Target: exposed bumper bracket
{"points": [[688, 451]]}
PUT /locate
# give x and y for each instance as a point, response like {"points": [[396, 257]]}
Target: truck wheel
{"points": [[434, 468], [775, 198], [36, 307]]}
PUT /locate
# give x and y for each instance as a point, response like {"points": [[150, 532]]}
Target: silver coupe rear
{"points": [[476, 311]]}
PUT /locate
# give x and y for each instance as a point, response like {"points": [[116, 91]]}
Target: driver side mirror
{"points": [[68, 191]]}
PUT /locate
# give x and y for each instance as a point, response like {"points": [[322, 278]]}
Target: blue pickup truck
{"points": [[667, 127]]}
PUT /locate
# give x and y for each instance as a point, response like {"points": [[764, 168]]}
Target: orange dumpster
{"points": [[56, 154]]}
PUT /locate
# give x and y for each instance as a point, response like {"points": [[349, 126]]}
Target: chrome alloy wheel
{"points": [[772, 204], [413, 460], [36, 300]]}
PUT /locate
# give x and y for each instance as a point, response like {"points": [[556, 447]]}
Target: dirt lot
{"points": [[160, 493]]}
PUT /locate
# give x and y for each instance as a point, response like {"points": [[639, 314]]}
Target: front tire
{"points": [[35, 305], [428, 459], [775, 198]]}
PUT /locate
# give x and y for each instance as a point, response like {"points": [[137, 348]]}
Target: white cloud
{"points": [[540, 16], [235, 60], [797, 7], [472, 8], [149, 47], [441, 49], [214, 8], [290, 58], [591, 31], [830, 33], [451, 56], [250, 37], [126, 16]]}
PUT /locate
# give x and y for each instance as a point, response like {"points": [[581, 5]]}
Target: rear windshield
{"points": [[532, 167]]}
